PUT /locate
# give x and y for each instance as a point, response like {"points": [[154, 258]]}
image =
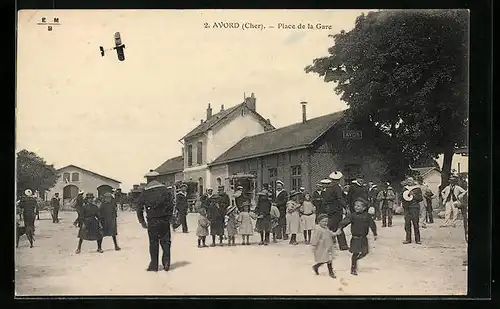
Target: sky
{"points": [[121, 119]]}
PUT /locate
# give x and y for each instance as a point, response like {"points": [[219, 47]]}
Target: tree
{"points": [[33, 172], [407, 73]]}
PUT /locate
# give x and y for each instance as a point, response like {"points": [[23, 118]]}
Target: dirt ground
{"points": [[391, 268]]}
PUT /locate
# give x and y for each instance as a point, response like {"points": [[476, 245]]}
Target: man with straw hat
{"points": [[452, 194], [412, 197], [27, 205], [156, 200]]}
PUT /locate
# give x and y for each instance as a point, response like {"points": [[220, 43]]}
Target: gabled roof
{"points": [[292, 137], [87, 171], [223, 116], [170, 166], [424, 171]]}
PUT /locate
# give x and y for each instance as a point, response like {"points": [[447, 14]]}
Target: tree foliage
{"points": [[407, 73], [33, 172]]}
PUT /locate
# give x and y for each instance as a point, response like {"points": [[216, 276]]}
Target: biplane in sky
{"points": [[118, 46]]}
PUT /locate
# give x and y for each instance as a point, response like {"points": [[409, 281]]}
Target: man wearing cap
{"points": [[317, 198], [280, 199], [224, 200], [452, 194], [356, 190], [334, 205], [55, 204], [239, 197], [27, 205], [412, 196], [386, 199], [302, 194], [182, 206], [157, 201]]}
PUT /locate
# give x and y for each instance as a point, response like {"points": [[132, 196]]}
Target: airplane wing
{"points": [[119, 47]]}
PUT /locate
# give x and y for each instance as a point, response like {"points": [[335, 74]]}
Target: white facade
{"points": [[71, 179], [214, 142]]}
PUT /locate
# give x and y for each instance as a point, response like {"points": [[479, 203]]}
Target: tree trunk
{"points": [[446, 168]]}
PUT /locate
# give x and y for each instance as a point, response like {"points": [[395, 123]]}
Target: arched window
{"points": [[66, 177], [75, 177]]}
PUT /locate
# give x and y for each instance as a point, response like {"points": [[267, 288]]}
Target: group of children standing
{"points": [[301, 215]]}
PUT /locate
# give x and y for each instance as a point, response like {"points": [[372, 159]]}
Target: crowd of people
{"points": [[320, 216]]}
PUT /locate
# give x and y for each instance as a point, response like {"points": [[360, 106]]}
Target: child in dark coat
{"points": [[361, 221]]}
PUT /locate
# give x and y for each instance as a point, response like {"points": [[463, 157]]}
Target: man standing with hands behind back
{"points": [[157, 201]]}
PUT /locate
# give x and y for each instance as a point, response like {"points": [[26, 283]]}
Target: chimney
{"points": [[268, 121], [304, 115], [201, 120], [222, 108], [209, 112], [250, 102]]}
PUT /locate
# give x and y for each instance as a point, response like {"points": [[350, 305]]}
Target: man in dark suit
{"points": [[372, 198], [55, 204], [334, 206], [412, 197], [182, 206], [356, 190], [157, 201], [280, 199], [317, 198]]}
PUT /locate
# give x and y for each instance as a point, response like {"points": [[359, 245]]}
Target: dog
{"points": [[22, 230]]}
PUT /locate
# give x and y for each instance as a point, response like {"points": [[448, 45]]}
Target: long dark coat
{"points": [[28, 206], [181, 204], [88, 221], [280, 202], [263, 211], [108, 215], [216, 216], [317, 200]]}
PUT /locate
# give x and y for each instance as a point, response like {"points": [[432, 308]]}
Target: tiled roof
{"points": [[87, 171], [424, 170], [295, 136], [221, 116], [170, 166]]}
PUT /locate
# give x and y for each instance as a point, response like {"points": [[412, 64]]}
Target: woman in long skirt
{"points": [[108, 215], [216, 217], [88, 222], [263, 212]]}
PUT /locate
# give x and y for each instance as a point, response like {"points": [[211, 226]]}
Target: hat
{"points": [[302, 189], [230, 209], [246, 203], [220, 188], [263, 192], [152, 173], [106, 194], [362, 200], [293, 193], [81, 192], [371, 210], [407, 196], [153, 184], [28, 192], [183, 186], [210, 189], [335, 175], [321, 217], [325, 181], [280, 182], [239, 187], [90, 194]]}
